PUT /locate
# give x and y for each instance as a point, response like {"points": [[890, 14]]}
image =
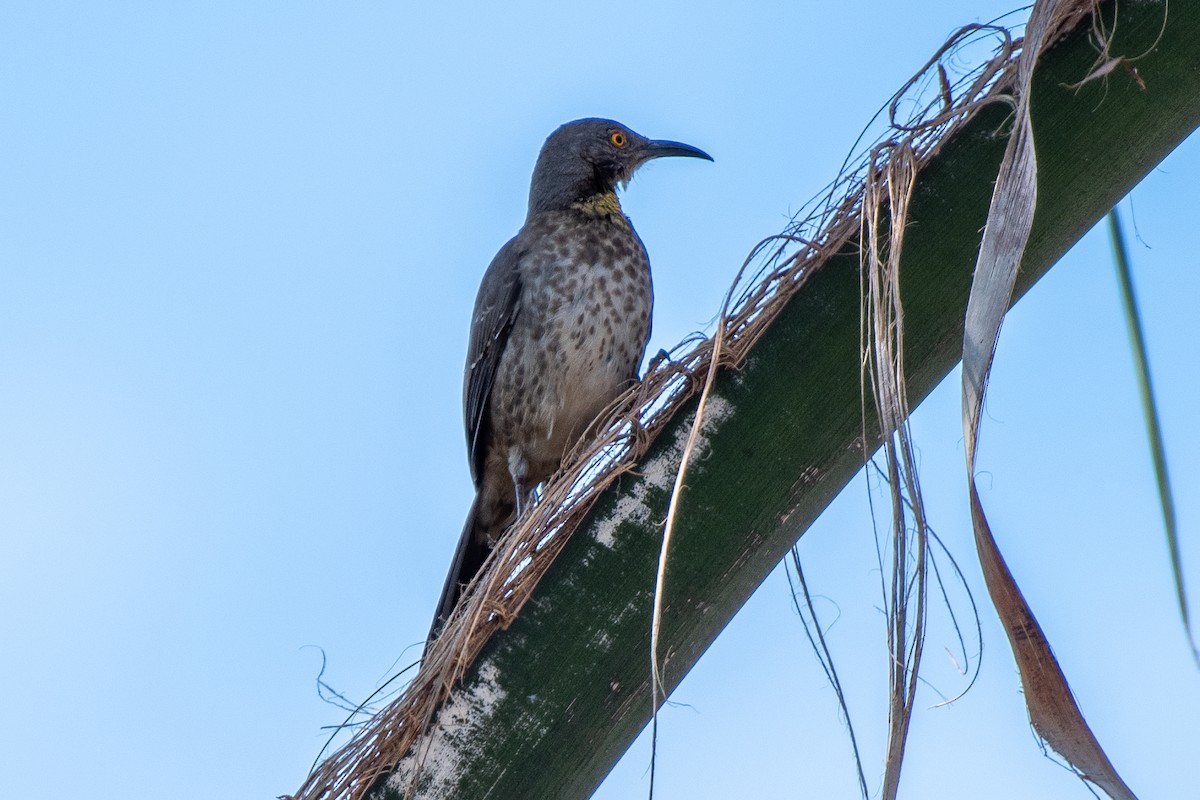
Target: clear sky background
{"points": [[239, 243]]}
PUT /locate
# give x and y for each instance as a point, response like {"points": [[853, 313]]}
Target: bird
{"points": [[559, 328]]}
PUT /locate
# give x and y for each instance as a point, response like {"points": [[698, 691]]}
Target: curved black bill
{"points": [[658, 148]]}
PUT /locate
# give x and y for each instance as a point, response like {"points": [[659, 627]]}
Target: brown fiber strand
{"points": [[1053, 712]]}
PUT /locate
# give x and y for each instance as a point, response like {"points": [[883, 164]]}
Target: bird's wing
{"points": [[496, 309]]}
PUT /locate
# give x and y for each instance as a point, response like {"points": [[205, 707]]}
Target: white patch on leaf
{"points": [[453, 737], [658, 473]]}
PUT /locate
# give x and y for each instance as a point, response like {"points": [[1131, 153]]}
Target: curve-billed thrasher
{"points": [[560, 324]]}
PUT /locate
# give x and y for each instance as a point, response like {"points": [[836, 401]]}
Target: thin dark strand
{"points": [[824, 658], [357, 710]]}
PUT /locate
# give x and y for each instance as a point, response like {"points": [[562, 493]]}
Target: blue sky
{"points": [[239, 245]]}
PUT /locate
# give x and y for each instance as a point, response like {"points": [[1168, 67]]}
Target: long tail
{"points": [[468, 560]]}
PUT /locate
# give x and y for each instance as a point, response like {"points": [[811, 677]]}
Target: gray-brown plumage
{"points": [[560, 325]]}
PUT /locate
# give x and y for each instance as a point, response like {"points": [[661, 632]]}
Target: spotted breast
{"points": [[577, 339]]}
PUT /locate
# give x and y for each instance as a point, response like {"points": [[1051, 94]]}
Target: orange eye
{"points": [[617, 138]]}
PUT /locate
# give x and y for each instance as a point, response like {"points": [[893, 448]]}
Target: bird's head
{"points": [[587, 158]]}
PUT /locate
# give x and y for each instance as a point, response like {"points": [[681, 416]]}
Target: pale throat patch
{"points": [[603, 204]]}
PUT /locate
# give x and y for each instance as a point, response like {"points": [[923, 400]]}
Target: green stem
{"points": [[1141, 366]]}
